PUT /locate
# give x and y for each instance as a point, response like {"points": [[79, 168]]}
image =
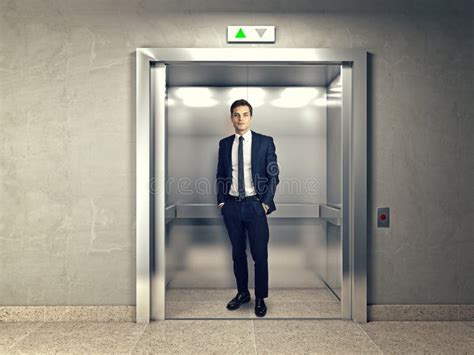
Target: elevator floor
{"points": [[190, 303], [203, 285]]}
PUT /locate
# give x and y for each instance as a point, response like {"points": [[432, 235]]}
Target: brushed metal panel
{"points": [[359, 187], [331, 214], [143, 151], [170, 213], [347, 201], [158, 101], [334, 142], [210, 210], [294, 56], [200, 117], [334, 259], [356, 227], [250, 75]]}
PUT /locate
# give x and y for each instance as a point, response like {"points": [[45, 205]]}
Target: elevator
{"points": [[313, 103]]}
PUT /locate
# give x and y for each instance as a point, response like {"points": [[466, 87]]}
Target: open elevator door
{"points": [[329, 209], [158, 94], [150, 204]]}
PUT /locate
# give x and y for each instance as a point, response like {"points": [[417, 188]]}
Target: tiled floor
{"points": [[252, 336], [281, 303]]}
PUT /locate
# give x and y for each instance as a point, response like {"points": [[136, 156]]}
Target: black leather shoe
{"points": [[260, 307], [239, 299]]}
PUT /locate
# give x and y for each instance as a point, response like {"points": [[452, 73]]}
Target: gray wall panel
{"points": [[67, 110]]}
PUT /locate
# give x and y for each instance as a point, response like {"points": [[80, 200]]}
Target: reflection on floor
{"points": [[281, 303]]}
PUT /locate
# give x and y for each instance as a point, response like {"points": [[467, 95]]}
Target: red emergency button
{"points": [[383, 217]]}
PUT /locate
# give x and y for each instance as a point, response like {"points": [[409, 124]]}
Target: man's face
{"points": [[241, 118]]}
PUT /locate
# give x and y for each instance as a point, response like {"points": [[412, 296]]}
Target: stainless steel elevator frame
{"points": [[150, 160]]}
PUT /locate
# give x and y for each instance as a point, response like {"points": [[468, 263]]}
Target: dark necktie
{"points": [[241, 168]]}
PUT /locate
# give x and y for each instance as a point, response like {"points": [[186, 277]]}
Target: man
{"points": [[247, 176]]}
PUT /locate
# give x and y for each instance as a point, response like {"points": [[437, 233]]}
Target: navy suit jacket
{"points": [[264, 168]]}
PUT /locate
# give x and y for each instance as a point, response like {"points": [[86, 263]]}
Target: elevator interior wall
{"points": [[290, 103]]}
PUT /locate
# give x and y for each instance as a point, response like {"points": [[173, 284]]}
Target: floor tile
{"points": [[12, 333], [198, 337], [311, 336], [451, 337], [204, 310], [301, 310], [81, 337]]}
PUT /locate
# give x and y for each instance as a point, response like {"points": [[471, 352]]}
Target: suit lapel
{"points": [[254, 153], [229, 155], [254, 150]]}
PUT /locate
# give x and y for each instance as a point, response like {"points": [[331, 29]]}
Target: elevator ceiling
{"points": [[200, 74]]}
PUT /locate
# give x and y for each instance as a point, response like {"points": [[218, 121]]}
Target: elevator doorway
{"points": [[306, 107]]}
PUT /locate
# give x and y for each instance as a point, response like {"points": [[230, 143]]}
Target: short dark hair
{"points": [[240, 102]]}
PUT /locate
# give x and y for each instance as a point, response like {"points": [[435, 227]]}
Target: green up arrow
{"points": [[240, 34]]}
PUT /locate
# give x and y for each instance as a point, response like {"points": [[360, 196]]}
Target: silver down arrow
{"points": [[261, 31]]}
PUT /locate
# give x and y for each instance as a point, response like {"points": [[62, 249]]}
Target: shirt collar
{"points": [[247, 135]]}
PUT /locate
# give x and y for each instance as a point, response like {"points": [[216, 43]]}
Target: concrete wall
{"points": [[67, 81]]}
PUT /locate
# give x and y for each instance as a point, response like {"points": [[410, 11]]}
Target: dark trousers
{"points": [[240, 218]]}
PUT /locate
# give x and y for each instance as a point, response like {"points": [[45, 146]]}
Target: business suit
{"points": [[248, 215]]}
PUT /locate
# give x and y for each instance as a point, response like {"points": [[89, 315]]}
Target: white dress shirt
{"points": [[249, 187]]}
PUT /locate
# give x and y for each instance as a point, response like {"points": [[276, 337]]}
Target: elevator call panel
{"points": [[383, 217]]}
